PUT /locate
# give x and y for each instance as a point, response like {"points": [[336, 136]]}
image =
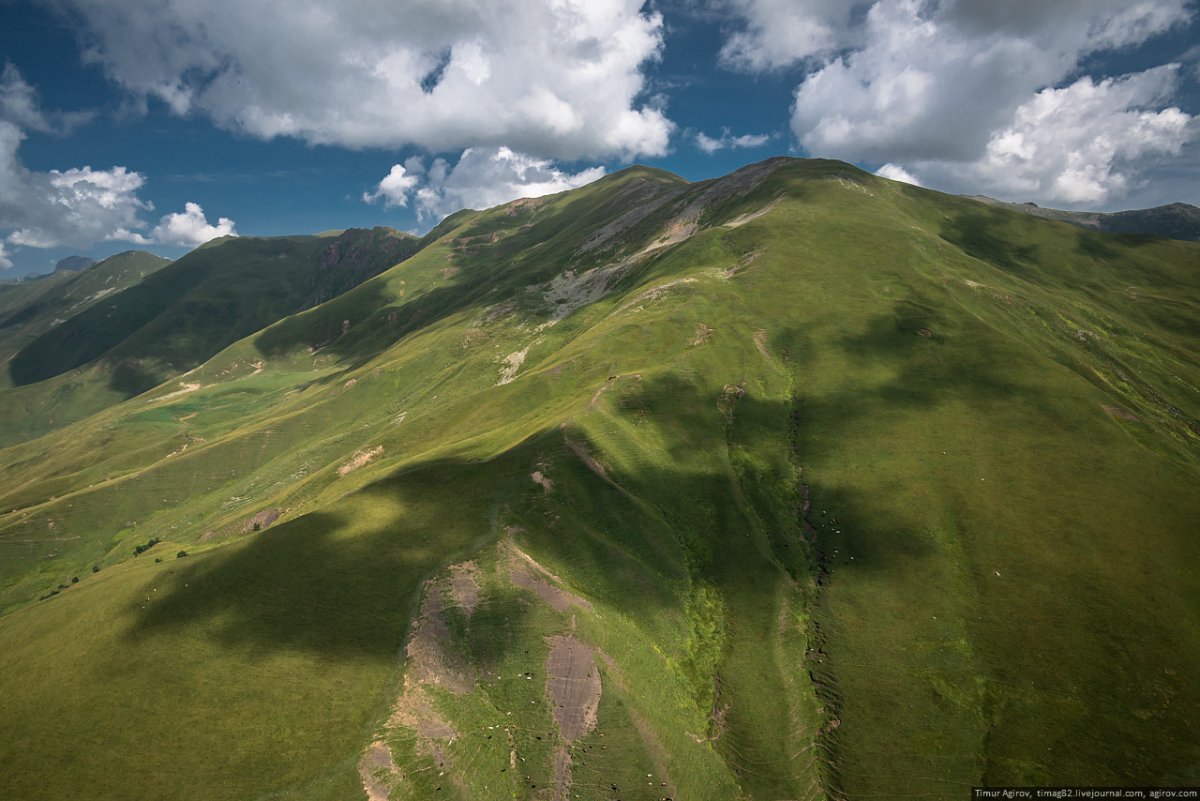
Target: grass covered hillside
{"points": [[799, 483], [31, 309], [92, 353]]}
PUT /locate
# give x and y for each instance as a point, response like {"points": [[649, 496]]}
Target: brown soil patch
{"points": [[448, 272], [359, 459], [413, 710], [377, 760], [429, 657], [527, 574], [524, 577], [702, 335], [464, 584], [742, 219], [562, 774], [540, 478], [522, 203], [261, 520], [1122, 414], [512, 364], [190, 387], [572, 685], [678, 230], [656, 292]]}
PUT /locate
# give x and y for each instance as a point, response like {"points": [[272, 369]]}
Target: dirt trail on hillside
{"points": [[561, 790], [527, 574], [581, 450]]}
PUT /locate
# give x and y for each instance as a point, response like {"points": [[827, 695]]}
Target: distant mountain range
{"points": [[797, 483], [1174, 221]]}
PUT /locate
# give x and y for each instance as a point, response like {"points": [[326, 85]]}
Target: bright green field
{"points": [[857, 490]]}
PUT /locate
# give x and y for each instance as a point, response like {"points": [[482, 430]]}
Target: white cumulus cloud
{"points": [[20, 105], [394, 189], [711, 145], [556, 78], [81, 206], [897, 173], [482, 178], [78, 207], [190, 228], [1079, 145], [944, 90], [779, 33]]}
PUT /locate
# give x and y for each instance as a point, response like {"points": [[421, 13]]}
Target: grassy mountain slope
{"points": [[179, 316], [796, 484], [26, 319]]}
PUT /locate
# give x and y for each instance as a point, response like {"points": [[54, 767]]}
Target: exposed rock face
{"points": [[357, 255]]}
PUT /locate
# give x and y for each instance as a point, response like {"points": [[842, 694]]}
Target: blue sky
{"points": [[161, 123]]}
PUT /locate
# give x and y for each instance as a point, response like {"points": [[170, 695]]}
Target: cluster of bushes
{"points": [[150, 543], [60, 588]]}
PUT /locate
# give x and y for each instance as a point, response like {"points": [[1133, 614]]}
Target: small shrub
{"points": [[141, 549], [181, 554], [74, 579], [157, 559], [95, 568]]}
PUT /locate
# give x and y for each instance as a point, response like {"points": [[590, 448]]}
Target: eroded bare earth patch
{"points": [[527, 574], [742, 219], [580, 449], [562, 773], [1122, 414], [430, 658], [378, 770], [359, 459], [464, 584], [414, 710], [572, 685]]}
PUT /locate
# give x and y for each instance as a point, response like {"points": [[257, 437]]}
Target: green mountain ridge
{"points": [[59, 301], [797, 483], [168, 323]]}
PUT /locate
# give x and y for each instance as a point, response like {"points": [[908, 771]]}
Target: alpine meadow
{"points": [[796, 483]]}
